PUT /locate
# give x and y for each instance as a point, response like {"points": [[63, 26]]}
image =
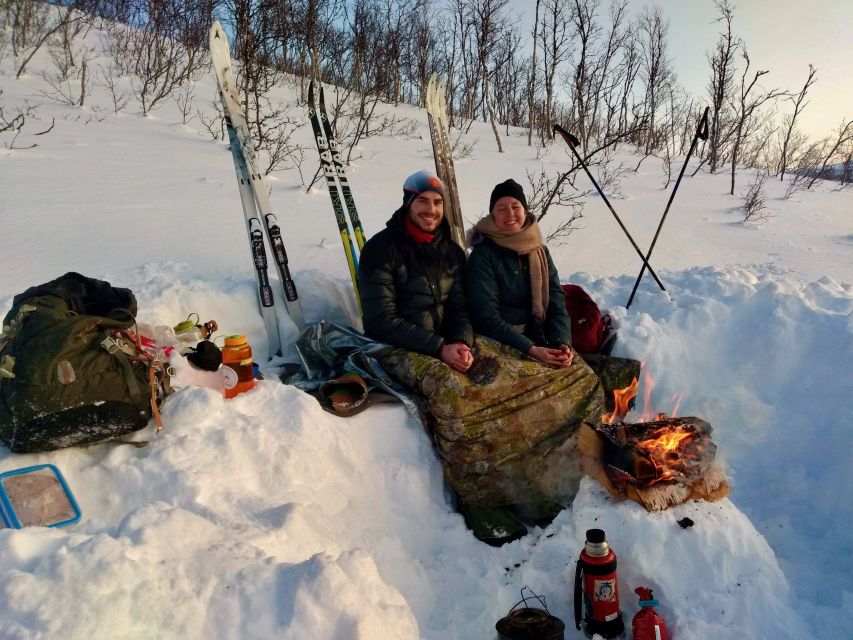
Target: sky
{"points": [[782, 36]]}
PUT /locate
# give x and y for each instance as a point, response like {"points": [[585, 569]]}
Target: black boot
{"points": [[493, 525], [538, 514]]}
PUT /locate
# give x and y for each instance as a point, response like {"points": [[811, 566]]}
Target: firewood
{"points": [[706, 479]]}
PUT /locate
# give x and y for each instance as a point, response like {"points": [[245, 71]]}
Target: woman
{"points": [[514, 291]]}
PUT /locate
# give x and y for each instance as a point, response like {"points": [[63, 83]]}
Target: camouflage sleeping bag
{"points": [[507, 429]]}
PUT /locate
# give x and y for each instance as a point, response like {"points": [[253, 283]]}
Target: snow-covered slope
{"points": [[264, 517]]}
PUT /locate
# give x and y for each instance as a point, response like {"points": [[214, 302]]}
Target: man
{"points": [[411, 277]]}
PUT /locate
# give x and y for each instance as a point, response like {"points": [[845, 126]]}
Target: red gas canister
{"points": [[596, 588], [648, 624]]}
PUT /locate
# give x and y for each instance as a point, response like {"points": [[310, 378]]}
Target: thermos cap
{"points": [[596, 544], [184, 326], [235, 341], [595, 535]]}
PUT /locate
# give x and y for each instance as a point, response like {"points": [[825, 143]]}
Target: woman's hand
{"points": [[568, 355], [560, 357], [457, 355]]}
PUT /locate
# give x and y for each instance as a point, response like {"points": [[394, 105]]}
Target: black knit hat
{"points": [[507, 188], [206, 356]]}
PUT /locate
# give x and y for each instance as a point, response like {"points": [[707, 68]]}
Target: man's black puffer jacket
{"points": [[413, 295]]}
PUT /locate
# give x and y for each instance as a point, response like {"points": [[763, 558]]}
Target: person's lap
{"points": [[506, 430]]}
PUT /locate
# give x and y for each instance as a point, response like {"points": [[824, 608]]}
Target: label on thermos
{"points": [[229, 377], [605, 590]]}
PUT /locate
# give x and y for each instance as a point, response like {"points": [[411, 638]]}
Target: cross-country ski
{"points": [[244, 158]]}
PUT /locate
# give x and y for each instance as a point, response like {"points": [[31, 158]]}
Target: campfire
{"points": [[659, 462]]}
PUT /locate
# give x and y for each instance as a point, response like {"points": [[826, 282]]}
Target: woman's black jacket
{"points": [[499, 297]]}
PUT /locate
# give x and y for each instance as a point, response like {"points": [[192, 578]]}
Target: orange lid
{"points": [[236, 341]]}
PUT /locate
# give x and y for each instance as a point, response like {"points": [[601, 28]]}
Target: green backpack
{"points": [[70, 374]]}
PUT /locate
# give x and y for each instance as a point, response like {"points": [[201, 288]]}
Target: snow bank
{"points": [[264, 516]]}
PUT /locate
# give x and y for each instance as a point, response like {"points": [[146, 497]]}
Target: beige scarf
{"points": [[525, 242]]}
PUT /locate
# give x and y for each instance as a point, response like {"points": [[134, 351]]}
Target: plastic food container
{"points": [[36, 496]]}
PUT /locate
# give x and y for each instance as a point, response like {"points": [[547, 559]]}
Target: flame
{"points": [[677, 398], [622, 399], [666, 443], [648, 386], [648, 413], [663, 450], [670, 448]]}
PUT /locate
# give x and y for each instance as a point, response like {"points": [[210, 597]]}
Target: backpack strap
{"points": [[124, 348], [115, 345], [152, 383], [10, 330], [7, 364]]}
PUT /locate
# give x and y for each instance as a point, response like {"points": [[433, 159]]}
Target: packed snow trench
{"points": [[265, 517]]}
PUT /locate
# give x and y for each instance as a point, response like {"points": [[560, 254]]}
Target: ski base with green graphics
{"points": [[336, 182]]}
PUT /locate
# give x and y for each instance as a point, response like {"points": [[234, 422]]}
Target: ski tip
{"points": [[217, 38]]}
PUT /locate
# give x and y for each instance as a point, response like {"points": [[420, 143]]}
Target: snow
{"points": [[263, 516]]}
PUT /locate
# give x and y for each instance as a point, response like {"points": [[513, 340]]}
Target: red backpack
{"points": [[592, 332]]}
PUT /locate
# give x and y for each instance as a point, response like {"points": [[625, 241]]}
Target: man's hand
{"points": [[560, 357], [457, 355]]}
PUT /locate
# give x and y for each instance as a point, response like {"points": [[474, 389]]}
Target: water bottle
{"points": [[188, 333], [237, 372]]}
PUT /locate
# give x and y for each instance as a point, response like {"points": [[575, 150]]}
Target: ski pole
{"points": [[573, 142], [701, 133]]}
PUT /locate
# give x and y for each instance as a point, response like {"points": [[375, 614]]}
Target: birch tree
{"points": [[800, 103], [750, 99], [489, 24], [721, 83]]}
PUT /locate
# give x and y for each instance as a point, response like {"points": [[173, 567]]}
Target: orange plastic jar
{"points": [[237, 373]]}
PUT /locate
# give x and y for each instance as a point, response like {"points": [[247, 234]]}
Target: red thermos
{"points": [[648, 624], [596, 589]]}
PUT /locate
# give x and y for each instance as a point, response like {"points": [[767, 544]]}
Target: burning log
{"points": [[659, 464]]}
